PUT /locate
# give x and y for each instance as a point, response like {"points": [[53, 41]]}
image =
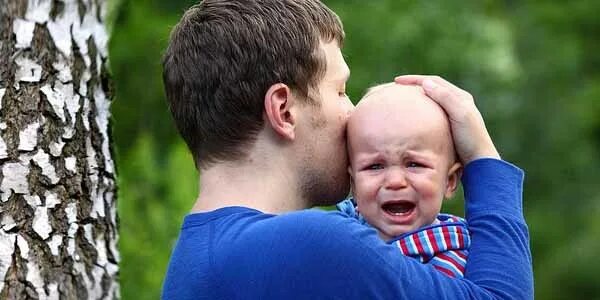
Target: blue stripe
{"points": [[424, 242], [439, 238]]}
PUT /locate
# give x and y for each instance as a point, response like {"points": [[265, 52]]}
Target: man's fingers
{"points": [[441, 94], [410, 79], [419, 79]]}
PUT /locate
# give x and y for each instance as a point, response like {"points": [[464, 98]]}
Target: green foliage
{"points": [[153, 198], [533, 67]]}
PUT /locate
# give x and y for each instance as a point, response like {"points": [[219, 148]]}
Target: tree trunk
{"points": [[58, 221]]}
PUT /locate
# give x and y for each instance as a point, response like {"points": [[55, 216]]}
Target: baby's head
{"points": [[402, 159]]}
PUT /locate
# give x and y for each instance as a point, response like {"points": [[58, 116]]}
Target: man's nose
{"points": [[395, 178]]}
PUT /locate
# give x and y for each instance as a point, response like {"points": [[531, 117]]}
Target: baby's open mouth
{"points": [[398, 208]]}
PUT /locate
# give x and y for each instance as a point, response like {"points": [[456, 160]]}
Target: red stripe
{"points": [[445, 271], [432, 240], [461, 239], [461, 254], [446, 235], [418, 243], [451, 260], [403, 247]]}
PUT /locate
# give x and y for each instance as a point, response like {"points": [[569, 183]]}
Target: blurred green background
{"points": [[533, 67]]}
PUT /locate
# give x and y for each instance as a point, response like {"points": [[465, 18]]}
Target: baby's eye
{"points": [[414, 164], [375, 167]]}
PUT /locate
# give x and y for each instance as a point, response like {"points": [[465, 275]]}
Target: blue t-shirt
{"points": [[241, 253]]}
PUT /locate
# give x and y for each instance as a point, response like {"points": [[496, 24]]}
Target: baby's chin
{"points": [[394, 233]]}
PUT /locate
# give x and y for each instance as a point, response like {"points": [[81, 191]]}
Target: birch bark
{"points": [[58, 221]]}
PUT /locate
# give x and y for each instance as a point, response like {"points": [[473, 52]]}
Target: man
{"points": [[257, 91]]}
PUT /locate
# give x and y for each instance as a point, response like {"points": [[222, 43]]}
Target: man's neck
{"points": [[267, 187]]}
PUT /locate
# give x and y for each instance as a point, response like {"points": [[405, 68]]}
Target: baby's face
{"points": [[402, 159]]}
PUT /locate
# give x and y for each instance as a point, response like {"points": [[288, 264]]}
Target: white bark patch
{"points": [[59, 31], [23, 31], [51, 199], [3, 126], [71, 246], [87, 233], [56, 99], [55, 243], [85, 113], [71, 212], [98, 202], [112, 269], [99, 33], [41, 224], [38, 10], [23, 247], [28, 137], [15, 179], [7, 240], [96, 290], [8, 223], [2, 92], [52, 292], [85, 77], [42, 159], [28, 70], [87, 28], [35, 278], [56, 148], [103, 110], [72, 103], [63, 69], [60, 28], [71, 164], [101, 248], [3, 148], [33, 200]]}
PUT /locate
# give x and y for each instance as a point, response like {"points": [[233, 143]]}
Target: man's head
{"points": [[239, 70], [402, 158], [224, 55]]}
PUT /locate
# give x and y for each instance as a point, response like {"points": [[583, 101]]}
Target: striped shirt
{"points": [[443, 244]]}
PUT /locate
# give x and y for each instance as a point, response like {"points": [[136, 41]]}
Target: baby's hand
{"points": [[471, 139]]}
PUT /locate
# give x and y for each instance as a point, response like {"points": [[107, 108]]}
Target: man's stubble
{"points": [[324, 180]]}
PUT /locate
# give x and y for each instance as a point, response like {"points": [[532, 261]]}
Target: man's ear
{"points": [[278, 109], [454, 174]]}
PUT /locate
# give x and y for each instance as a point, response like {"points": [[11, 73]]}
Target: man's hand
{"points": [[471, 138]]}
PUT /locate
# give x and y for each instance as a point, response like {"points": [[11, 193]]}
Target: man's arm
{"points": [[313, 254]]}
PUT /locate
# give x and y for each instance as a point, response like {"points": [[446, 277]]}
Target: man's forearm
{"points": [[500, 257]]}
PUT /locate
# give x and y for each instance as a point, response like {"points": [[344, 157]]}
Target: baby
{"points": [[402, 164]]}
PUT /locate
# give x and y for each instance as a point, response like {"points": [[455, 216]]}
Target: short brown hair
{"points": [[225, 54]]}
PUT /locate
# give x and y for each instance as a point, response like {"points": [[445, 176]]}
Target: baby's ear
{"points": [[454, 174]]}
